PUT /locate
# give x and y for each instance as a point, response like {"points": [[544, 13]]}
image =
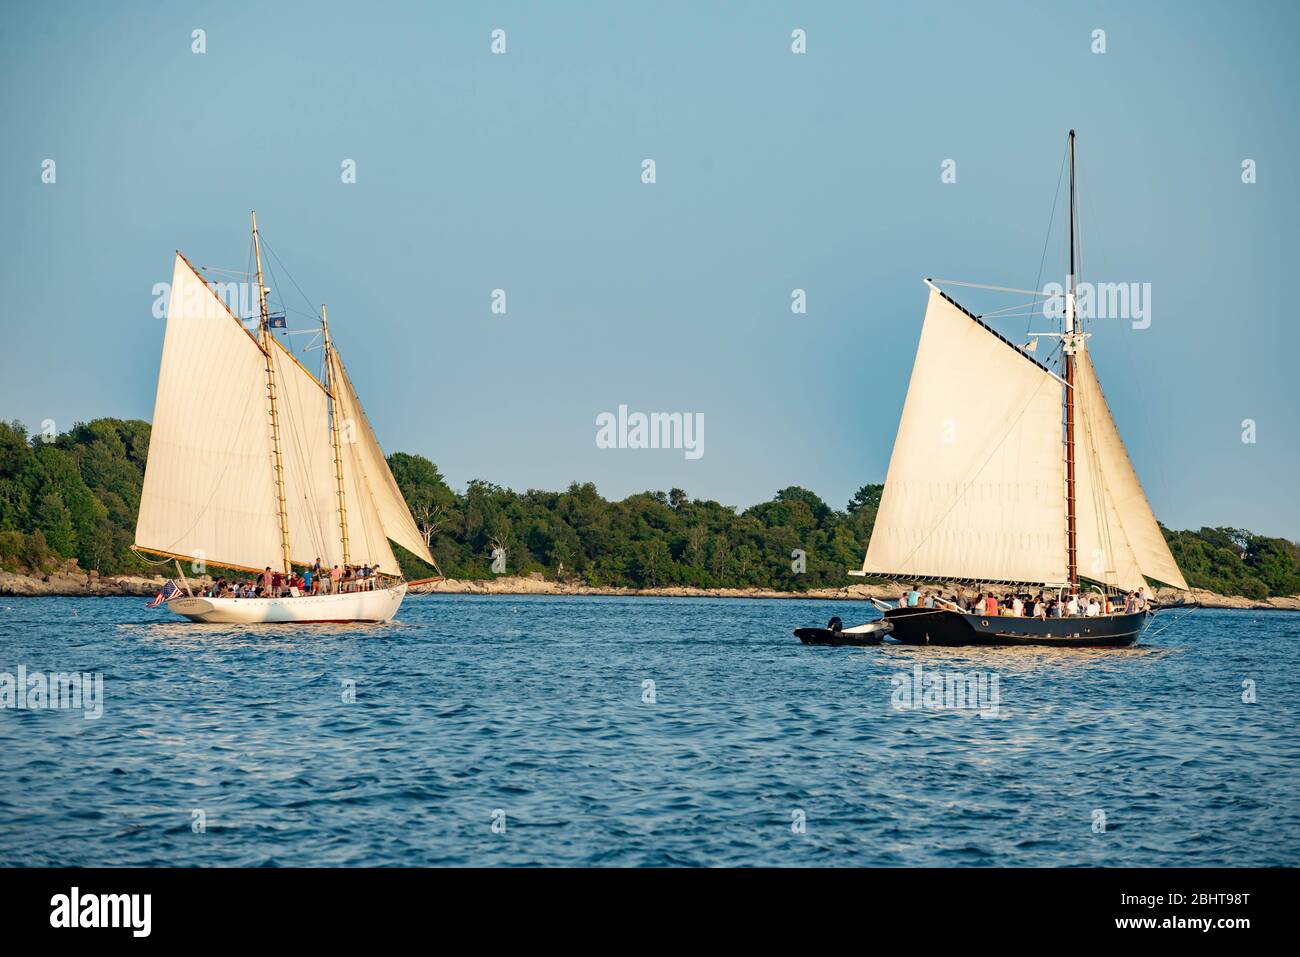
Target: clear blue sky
{"points": [[775, 171]]}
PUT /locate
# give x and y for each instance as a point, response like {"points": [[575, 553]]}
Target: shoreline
{"points": [[82, 585]]}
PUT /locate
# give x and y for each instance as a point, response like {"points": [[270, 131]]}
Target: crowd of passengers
{"points": [[316, 580], [1011, 605]]}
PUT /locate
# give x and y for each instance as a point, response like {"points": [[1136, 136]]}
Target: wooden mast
{"points": [[264, 329], [1070, 343], [334, 435]]}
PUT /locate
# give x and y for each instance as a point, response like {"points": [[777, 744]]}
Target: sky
{"points": [[522, 171]]}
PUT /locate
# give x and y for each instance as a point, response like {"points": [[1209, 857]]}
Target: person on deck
{"points": [[913, 597], [336, 576], [1094, 609], [1017, 607], [265, 582], [990, 605], [1072, 606], [307, 580]]}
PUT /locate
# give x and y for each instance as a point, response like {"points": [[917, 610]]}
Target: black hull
{"points": [[937, 626], [824, 636]]}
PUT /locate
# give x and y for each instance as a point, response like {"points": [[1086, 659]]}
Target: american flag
{"points": [[169, 591]]}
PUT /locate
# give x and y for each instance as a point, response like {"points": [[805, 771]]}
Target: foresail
{"points": [[1139, 547], [394, 514], [975, 487], [207, 489], [1104, 553], [367, 534]]}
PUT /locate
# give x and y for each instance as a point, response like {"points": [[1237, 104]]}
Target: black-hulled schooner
{"points": [[1008, 473]]}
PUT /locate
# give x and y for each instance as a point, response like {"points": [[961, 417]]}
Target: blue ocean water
{"points": [[522, 731]]}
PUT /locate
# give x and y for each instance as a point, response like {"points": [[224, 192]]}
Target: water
{"points": [[471, 706]]}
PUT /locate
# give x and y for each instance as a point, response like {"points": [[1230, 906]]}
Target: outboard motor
{"points": [[835, 625]]}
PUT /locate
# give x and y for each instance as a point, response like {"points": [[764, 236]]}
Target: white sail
{"points": [[976, 485], [394, 514], [367, 534], [1128, 541], [311, 496], [208, 492]]}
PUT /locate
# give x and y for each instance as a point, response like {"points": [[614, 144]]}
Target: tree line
{"points": [[76, 494]]}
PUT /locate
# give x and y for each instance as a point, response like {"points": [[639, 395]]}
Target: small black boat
{"points": [[835, 633]]}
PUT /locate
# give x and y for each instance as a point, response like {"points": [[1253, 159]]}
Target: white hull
{"points": [[379, 605]]}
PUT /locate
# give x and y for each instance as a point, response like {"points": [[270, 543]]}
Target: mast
{"points": [[1070, 345], [264, 337], [334, 435]]}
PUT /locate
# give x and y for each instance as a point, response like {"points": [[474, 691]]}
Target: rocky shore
{"points": [[75, 583], [72, 582]]}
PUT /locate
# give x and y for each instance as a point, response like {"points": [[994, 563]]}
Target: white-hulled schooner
{"points": [[254, 462], [1006, 473]]}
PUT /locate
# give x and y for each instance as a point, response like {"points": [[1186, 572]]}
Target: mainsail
{"points": [[974, 487], [207, 492], [210, 487]]}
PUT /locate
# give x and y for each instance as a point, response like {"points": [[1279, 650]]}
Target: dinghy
{"points": [[1010, 475], [835, 633]]}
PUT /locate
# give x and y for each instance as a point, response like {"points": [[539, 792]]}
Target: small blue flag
{"points": [[275, 322]]}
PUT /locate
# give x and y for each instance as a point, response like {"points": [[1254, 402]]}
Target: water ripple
{"points": [[526, 731]]}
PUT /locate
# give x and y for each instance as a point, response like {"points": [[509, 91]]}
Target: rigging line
{"points": [[976, 285], [1056, 198], [1079, 234], [1032, 307], [1011, 312], [1171, 624], [289, 275]]}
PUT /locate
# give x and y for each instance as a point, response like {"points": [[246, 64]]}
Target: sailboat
{"points": [[256, 465], [1008, 473]]}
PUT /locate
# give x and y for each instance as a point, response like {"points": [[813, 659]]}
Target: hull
{"points": [[375, 606], [935, 626]]}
